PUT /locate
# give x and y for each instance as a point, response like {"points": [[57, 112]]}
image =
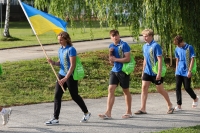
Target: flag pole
{"points": [[40, 42]]}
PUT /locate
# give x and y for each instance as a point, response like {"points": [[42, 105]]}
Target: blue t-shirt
{"points": [[118, 51], [63, 54], [150, 53], [182, 53]]}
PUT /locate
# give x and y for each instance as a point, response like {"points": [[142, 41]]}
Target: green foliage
{"points": [[167, 18], [194, 129]]}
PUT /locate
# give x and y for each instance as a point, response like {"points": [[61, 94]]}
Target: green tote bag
{"points": [[79, 70], [128, 67], [164, 68]]}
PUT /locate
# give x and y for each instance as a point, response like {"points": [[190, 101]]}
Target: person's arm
{"points": [[57, 63], [177, 60], [144, 64], [72, 66], [71, 69], [126, 58], [190, 68], [158, 77]]}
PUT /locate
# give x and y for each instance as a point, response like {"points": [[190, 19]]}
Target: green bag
{"points": [[128, 67], [194, 68], [164, 68], [1, 71], [79, 70]]}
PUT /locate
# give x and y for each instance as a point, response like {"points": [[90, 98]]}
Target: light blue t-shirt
{"points": [[152, 49], [63, 54], [181, 53], [118, 51]]}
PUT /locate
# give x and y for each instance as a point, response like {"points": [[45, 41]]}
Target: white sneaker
{"points": [[52, 122], [6, 116], [86, 117], [177, 109]]}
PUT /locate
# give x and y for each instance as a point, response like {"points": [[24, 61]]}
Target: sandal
{"points": [[126, 116], [170, 111], [104, 117], [140, 112], [195, 104]]}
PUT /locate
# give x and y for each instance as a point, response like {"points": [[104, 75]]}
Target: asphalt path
{"points": [[31, 118], [28, 53]]}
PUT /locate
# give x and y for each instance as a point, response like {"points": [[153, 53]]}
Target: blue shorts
{"points": [[147, 77]]}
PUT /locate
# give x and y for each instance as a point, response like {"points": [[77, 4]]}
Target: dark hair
{"points": [[114, 32], [178, 39], [66, 36]]}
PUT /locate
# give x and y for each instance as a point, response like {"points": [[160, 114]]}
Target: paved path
{"points": [[31, 118], [28, 53]]}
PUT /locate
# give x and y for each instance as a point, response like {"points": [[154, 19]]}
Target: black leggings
{"points": [[187, 85], [72, 86]]}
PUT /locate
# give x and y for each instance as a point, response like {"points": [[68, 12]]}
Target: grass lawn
{"points": [[22, 34]]}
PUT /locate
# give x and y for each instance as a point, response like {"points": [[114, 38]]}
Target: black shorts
{"points": [[120, 78], [147, 77]]}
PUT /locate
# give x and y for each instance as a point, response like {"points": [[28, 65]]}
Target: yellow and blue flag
{"points": [[42, 22]]}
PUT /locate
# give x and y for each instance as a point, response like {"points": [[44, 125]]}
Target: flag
{"points": [[42, 22]]}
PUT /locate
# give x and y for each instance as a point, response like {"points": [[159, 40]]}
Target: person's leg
{"points": [[57, 103], [58, 98], [189, 90], [113, 82], [146, 81], [128, 100], [144, 94], [73, 90], [164, 93], [110, 99], [124, 81], [1, 109], [179, 81]]}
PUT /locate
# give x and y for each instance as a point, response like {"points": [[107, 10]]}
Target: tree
{"points": [[166, 17], [6, 27]]}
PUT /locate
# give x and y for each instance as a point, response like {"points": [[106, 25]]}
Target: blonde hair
{"points": [[148, 32]]}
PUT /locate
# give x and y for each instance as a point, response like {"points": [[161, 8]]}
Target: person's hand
{"points": [[62, 81], [112, 58], [50, 61], [111, 62], [189, 74], [158, 77], [142, 75]]}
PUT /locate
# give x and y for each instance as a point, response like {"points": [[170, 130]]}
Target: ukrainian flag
{"points": [[42, 22]]}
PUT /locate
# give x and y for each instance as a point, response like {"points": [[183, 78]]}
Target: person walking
{"points": [[119, 52], [185, 57], [67, 62], [152, 53], [5, 113]]}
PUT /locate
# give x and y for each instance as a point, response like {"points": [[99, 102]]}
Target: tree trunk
{"points": [[6, 27]]}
